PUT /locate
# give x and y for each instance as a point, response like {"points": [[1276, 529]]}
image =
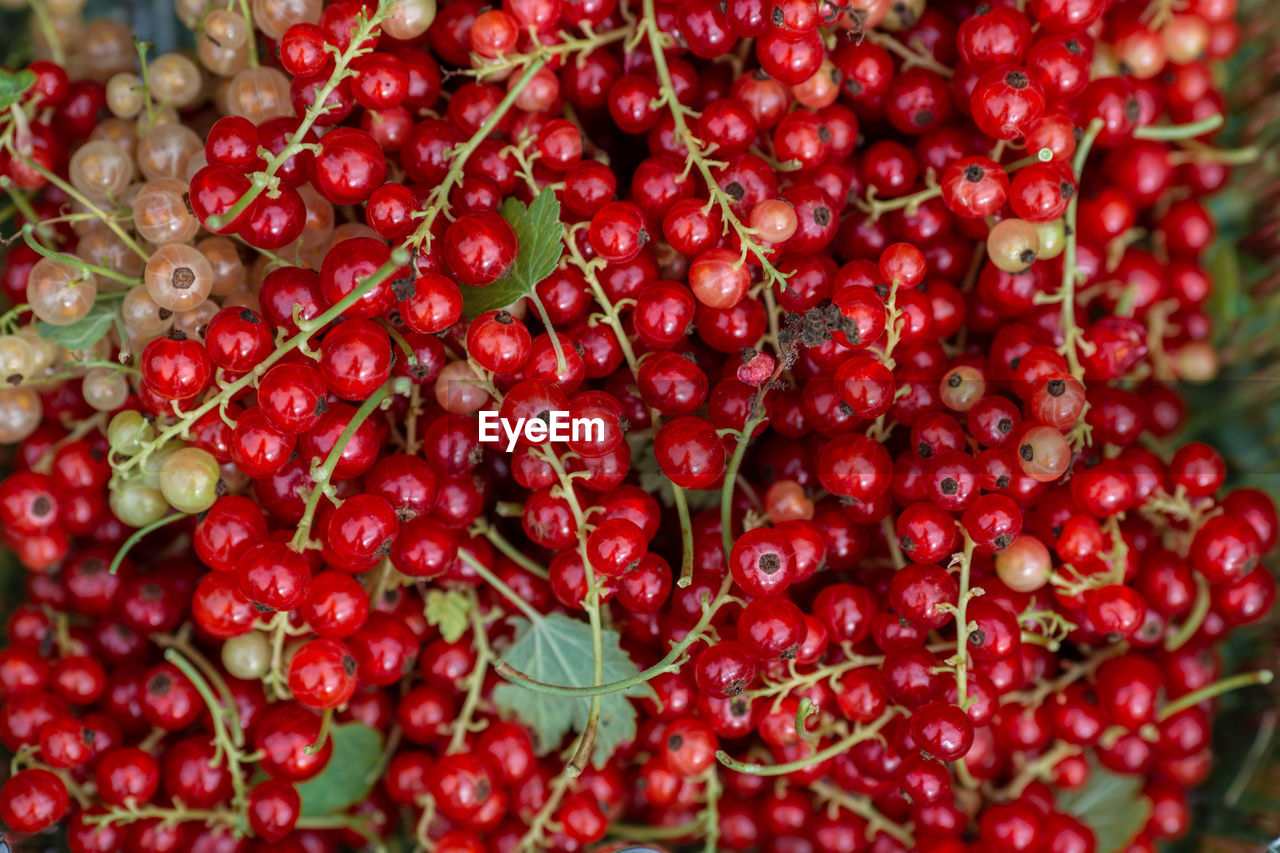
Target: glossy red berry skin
{"points": [[349, 167], [273, 809], [942, 730], [725, 669], [175, 367], [690, 452], [1005, 101], [1224, 549], [127, 774], [480, 248], [33, 800], [322, 674], [237, 339]]}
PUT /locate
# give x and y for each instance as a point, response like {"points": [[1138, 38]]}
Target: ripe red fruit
{"points": [[480, 248], [322, 674], [33, 800]]}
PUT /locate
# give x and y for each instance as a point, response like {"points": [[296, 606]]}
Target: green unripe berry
{"points": [[137, 504], [128, 431], [189, 479], [247, 656]]}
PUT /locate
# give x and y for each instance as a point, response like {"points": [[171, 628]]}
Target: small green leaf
{"points": [[1111, 805], [81, 334], [345, 780], [541, 239], [448, 610], [557, 650], [13, 85]]}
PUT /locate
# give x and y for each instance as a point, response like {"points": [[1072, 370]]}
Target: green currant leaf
{"points": [[557, 650], [346, 779], [83, 333], [1111, 805], [541, 240], [13, 85], [448, 610]]}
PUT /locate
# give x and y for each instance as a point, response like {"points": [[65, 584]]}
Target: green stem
{"points": [[72, 261], [860, 734], [680, 115], [45, 21], [962, 623], [731, 477], [265, 179], [1066, 294], [644, 832], [561, 368], [138, 536], [324, 474], [711, 811], [1199, 610], [106, 218], [586, 743], [909, 56], [253, 33], [515, 554], [475, 681], [861, 805], [876, 208], [1180, 131], [306, 329], [1226, 685], [218, 713], [686, 536], [507, 592]]}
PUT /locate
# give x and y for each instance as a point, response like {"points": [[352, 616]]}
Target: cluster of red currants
{"points": [[882, 540]]}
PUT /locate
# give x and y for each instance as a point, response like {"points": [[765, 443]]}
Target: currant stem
{"points": [[910, 57], [139, 535], [1226, 685], [859, 734], [1038, 769], [710, 814], [614, 319], [219, 714], [79, 197], [28, 237], [497, 540], [533, 837], [44, 19], [1199, 610], [1180, 131], [490, 68], [319, 106], [875, 207], [438, 201], [582, 754], [510, 595], [1066, 294], [324, 474], [1074, 672], [253, 35], [462, 724], [182, 643], [698, 151], [306, 329], [962, 623], [862, 806]]}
